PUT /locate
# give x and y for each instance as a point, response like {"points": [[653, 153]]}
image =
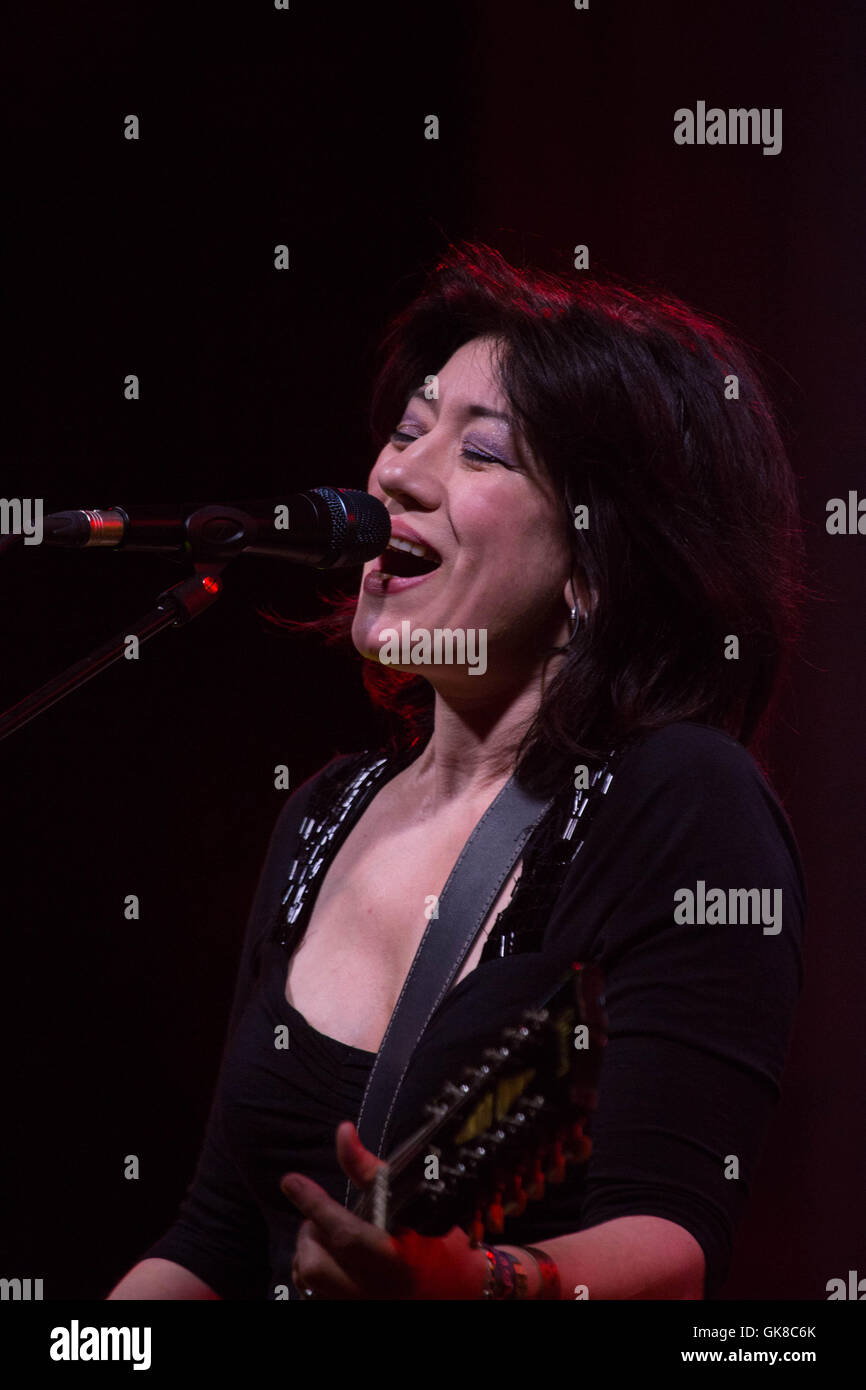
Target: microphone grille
{"points": [[361, 526], [339, 524]]}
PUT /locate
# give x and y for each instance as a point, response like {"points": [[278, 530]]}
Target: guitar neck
{"points": [[509, 1124]]}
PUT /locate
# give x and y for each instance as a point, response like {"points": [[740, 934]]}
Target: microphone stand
{"points": [[175, 607]]}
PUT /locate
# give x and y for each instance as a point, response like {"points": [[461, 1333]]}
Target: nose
{"points": [[409, 474]]}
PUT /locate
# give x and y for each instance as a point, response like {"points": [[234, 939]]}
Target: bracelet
{"points": [[506, 1277], [547, 1269]]}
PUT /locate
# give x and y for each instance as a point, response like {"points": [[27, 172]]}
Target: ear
{"points": [[577, 593]]}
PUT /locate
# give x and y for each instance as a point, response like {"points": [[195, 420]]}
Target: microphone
{"points": [[327, 528]]}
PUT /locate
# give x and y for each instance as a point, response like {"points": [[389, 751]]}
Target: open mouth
{"points": [[407, 560]]}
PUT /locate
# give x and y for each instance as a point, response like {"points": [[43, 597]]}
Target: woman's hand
{"points": [[338, 1255]]}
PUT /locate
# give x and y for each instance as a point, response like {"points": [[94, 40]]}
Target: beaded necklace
{"points": [[340, 798]]}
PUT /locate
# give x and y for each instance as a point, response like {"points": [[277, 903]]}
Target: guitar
{"points": [[506, 1128]]}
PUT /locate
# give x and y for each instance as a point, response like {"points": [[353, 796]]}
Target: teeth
{"points": [[397, 543]]}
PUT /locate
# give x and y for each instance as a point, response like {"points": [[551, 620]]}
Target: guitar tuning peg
{"points": [[469, 1158], [581, 1144], [515, 1034], [473, 1074], [489, 1141], [535, 1186], [436, 1109], [513, 1123], [532, 1103], [556, 1162], [495, 1216], [520, 1198]]}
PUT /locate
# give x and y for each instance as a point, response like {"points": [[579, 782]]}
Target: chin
{"points": [[365, 638]]}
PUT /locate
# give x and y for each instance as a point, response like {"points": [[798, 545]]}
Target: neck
{"points": [[473, 747]]}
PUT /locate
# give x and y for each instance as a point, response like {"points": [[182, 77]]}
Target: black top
{"points": [[699, 1019]]}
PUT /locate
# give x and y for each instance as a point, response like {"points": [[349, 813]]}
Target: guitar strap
{"points": [[475, 882]]}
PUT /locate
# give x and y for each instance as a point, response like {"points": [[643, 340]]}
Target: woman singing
{"points": [[589, 481]]}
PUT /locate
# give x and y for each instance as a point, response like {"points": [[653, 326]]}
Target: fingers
{"points": [[314, 1268], [337, 1227], [360, 1256], [357, 1163], [338, 1254]]}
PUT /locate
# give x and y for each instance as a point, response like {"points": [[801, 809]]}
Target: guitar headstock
{"points": [[507, 1126]]}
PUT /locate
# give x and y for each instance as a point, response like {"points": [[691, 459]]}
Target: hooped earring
{"points": [[576, 615]]}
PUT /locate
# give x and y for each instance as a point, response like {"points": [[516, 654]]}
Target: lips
{"points": [[408, 556], [404, 564], [382, 583]]}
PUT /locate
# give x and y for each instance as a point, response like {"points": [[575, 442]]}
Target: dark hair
{"points": [[626, 397]]}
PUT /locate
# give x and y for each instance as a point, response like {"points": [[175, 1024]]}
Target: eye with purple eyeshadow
{"points": [[402, 437]]}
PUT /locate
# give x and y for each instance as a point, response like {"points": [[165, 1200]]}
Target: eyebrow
{"points": [[476, 411]]}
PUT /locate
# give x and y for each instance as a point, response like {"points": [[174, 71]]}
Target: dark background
{"points": [[156, 257]]}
